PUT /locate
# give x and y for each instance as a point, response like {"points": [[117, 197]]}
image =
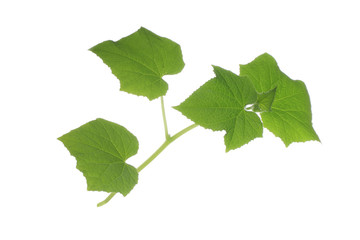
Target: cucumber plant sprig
{"points": [[239, 104]]}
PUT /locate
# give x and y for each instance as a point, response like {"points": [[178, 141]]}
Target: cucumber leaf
{"points": [[101, 148], [220, 103], [290, 117], [140, 60]]}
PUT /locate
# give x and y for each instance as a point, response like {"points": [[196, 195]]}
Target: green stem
{"points": [[106, 200], [164, 119], [167, 142]]}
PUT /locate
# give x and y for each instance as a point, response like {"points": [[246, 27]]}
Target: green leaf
{"points": [[101, 149], [290, 116], [140, 60], [264, 101], [219, 105]]}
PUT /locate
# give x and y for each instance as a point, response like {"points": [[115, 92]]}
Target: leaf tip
{"points": [[266, 55], [91, 49], [60, 138], [216, 68], [227, 149], [176, 107]]}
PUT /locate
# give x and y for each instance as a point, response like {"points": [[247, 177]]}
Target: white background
{"points": [[50, 83]]}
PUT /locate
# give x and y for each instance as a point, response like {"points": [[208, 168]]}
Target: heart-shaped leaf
{"points": [[101, 149], [140, 60]]}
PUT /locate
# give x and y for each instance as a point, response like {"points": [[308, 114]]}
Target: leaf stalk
{"points": [[167, 135]]}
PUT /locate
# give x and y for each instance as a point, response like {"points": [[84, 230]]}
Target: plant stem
{"points": [[167, 142], [164, 118], [106, 199]]}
